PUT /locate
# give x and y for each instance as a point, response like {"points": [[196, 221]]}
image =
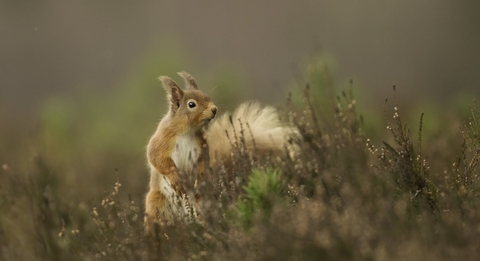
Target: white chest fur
{"points": [[186, 152], [185, 155]]}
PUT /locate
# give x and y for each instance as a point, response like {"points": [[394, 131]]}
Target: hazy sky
{"points": [[427, 48]]}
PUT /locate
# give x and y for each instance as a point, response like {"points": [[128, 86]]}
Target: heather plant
{"points": [[464, 173], [408, 168], [337, 194]]}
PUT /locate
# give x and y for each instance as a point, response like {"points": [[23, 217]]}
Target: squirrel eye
{"points": [[191, 105]]}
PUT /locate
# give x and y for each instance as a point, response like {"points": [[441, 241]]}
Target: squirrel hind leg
{"points": [[156, 211]]}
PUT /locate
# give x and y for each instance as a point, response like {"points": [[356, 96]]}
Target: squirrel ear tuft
{"points": [[175, 94], [189, 80]]}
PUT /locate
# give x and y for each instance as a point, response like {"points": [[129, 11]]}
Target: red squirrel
{"points": [[180, 140]]}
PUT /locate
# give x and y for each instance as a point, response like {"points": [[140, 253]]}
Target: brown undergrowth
{"points": [[340, 196]]}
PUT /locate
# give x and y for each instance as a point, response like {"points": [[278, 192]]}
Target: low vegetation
{"points": [[343, 196]]}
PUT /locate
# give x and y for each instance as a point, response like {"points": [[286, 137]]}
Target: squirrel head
{"points": [[190, 107]]}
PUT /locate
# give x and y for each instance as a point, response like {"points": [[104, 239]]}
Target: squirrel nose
{"points": [[214, 110]]}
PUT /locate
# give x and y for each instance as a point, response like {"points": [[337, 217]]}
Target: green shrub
{"points": [[264, 189]]}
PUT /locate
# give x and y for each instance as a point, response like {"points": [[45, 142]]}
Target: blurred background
{"points": [[78, 79]]}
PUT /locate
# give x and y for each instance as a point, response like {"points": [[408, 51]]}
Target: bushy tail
{"points": [[253, 127]]}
